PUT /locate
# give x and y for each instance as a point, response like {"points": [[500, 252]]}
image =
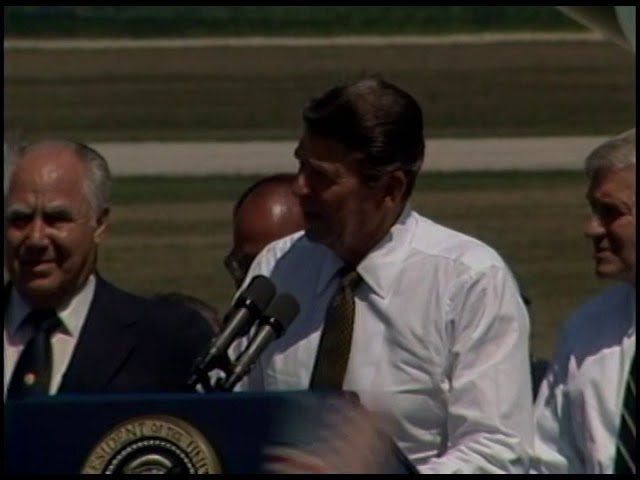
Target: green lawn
{"points": [[100, 21], [240, 93]]}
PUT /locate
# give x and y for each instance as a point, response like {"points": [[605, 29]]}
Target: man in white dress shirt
{"points": [[440, 334], [578, 410]]}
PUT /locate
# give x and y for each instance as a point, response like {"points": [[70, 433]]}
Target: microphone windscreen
{"points": [[284, 309], [259, 293]]}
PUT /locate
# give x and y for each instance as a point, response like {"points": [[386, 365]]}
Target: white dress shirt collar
{"points": [[382, 264], [380, 268], [71, 315]]}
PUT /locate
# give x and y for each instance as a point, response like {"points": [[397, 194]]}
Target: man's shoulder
{"points": [[109, 295], [444, 242], [292, 259], [611, 303], [291, 246], [283, 244], [143, 308], [600, 323]]}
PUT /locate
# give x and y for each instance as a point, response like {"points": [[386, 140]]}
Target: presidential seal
{"points": [[153, 444]]}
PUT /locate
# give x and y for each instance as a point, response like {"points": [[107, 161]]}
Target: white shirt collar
{"points": [[72, 314], [380, 268], [382, 264]]}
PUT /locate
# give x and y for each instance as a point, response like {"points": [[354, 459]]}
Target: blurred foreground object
{"points": [[616, 22], [347, 438]]}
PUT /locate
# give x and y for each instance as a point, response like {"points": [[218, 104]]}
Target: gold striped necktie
{"points": [[335, 341]]}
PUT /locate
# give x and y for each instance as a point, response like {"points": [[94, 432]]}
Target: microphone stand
{"points": [[220, 365], [248, 305], [270, 326]]}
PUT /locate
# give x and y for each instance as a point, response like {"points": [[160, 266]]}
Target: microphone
{"points": [[273, 323], [248, 305]]}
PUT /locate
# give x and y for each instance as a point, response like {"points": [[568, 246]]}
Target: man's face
{"points": [[246, 246], [51, 231], [340, 210], [612, 225]]}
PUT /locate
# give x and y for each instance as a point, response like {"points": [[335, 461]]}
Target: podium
{"points": [[162, 433]]}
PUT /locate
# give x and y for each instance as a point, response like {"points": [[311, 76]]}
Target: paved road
{"points": [[453, 39], [186, 158]]}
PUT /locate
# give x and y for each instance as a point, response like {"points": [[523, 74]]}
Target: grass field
{"points": [[164, 239], [237, 93], [171, 234], [99, 21]]}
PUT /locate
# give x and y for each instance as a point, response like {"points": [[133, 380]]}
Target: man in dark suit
{"points": [[92, 336]]}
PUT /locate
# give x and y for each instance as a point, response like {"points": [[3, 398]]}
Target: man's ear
{"points": [[102, 222], [396, 184]]}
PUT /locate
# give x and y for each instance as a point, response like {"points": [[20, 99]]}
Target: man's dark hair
{"points": [[375, 118]]}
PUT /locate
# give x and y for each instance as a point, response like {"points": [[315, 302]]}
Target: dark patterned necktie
{"points": [[626, 453], [335, 341], [32, 374]]}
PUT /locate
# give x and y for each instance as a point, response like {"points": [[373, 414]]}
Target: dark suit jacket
{"points": [[134, 344]]}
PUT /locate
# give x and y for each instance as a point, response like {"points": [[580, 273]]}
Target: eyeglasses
{"points": [[237, 264]]}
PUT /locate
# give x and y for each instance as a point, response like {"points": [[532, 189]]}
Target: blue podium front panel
{"points": [[164, 433]]}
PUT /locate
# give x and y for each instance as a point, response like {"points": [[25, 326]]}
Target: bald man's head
{"points": [[266, 211]]}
